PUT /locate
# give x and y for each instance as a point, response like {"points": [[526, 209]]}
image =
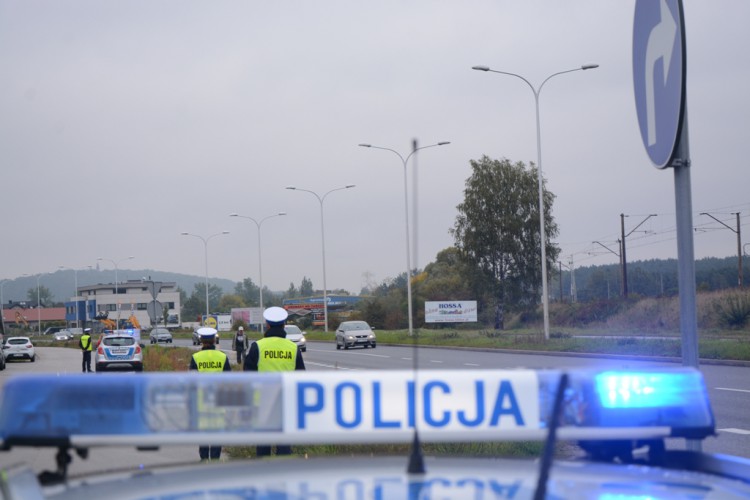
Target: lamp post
{"points": [[258, 225], [404, 161], [75, 295], [2, 305], [543, 239], [117, 291], [205, 248], [321, 199], [38, 304]]}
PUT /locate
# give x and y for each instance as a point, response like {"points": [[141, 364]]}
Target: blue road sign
{"points": [[659, 76]]}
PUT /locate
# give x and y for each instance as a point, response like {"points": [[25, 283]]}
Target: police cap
{"points": [[275, 315], [207, 333]]}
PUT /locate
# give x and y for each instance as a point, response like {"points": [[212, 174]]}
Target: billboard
{"points": [[456, 311], [250, 315]]}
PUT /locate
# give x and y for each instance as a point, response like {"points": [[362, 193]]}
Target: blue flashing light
{"points": [[647, 390]]}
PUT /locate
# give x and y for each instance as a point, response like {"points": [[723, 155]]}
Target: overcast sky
{"points": [[125, 123]]}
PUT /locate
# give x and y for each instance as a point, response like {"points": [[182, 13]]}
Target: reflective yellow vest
{"points": [[276, 355], [210, 360], [86, 342]]}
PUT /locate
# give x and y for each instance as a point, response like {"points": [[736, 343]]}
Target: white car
{"points": [[355, 333], [297, 336], [19, 347]]}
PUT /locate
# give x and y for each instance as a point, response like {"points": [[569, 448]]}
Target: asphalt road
{"points": [[728, 386]]}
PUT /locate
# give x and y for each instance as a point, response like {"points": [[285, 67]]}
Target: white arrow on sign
{"points": [[660, 46]]}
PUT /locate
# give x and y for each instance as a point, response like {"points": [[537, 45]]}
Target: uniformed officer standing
{"points": [[85, 343], [274, 353], [208, 360]]}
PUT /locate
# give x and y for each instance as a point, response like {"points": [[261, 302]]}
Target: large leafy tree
{"points": [[497, 229], [249, 291], [306, 287], [195, 305], [45, 296]]}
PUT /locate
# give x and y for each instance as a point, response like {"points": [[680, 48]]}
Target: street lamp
{"points": [[117, 291], [260, 267], [406, 215], [2, 304], [321, 199], [75, 278], [38, 303], [205, 248], [543, 239]]}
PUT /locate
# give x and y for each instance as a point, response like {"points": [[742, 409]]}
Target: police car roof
{"points": [[158, 409]]}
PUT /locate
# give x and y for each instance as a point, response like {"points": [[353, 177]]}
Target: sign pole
{"points": [[685, 248]]}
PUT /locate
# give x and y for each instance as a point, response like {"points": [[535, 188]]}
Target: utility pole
{"points": [[622, 250], [738, 231]]}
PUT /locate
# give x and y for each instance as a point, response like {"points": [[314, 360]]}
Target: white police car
{"points": [[621, 419]]}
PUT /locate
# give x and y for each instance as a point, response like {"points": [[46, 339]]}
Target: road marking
{"points": [[371, 355], [736, 431], [471, 364], [435, 361], [326, 365], [729, 389]]}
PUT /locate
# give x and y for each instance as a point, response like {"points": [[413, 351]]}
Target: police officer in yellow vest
{"points": [[85, 343], [274, 353], [209, 359]]}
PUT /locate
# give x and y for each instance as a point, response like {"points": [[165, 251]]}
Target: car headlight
{"points": [[371, 336], [350, 337]]}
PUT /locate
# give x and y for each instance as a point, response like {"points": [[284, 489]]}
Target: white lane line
{"points": [[736, 431], [406, 359], [325, 365], [366, 354], [730, 389], [471, 364], [435, 361]]}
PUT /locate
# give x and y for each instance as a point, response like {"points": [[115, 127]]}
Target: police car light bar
{"points": [[349, 407]]}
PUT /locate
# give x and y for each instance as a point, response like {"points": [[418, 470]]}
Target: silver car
{"points": [[63, 335], [354, 333], [297, 336], [160, 335], [118, 352]]}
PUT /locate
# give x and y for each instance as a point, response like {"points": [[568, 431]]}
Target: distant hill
{"points": [[62, 283]]}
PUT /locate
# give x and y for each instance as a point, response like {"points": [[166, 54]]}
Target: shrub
{"points": [[733, 309]]}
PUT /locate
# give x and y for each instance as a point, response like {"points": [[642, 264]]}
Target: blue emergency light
{"points": [[153, 409]]}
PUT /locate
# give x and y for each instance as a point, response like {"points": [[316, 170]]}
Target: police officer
{"points": [[239, 344], [85, 343], [274, 353], [208, 360]]}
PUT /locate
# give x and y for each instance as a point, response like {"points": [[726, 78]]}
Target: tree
{"points": [[291, 291], [497, 229], [231, 301], [306, 287], [249, 291], [195, 305], [45, 296]]}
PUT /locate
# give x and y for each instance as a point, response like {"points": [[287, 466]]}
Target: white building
{"points": [[133, 297]]}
